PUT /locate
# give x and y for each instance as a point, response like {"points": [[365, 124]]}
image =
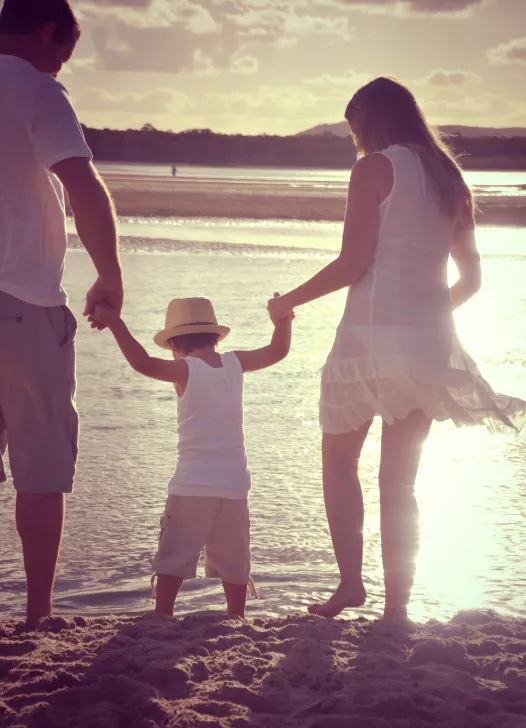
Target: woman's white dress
{"points": [[396, 348]]}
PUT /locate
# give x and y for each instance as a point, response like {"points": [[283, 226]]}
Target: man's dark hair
{"points": [[186, 343], [23, 17]]}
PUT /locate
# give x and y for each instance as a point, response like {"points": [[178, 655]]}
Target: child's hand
{"points": [[105, 315], [278, 309]]}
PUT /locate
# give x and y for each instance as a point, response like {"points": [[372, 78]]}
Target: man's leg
{"points": [[39, 520], [37, 396]]}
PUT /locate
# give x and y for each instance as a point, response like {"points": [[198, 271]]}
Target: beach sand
{"points": [[302, 672], [144, 196]]}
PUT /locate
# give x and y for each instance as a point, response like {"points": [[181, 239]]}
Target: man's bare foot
{"points": [[343, 598], [33, 619]]}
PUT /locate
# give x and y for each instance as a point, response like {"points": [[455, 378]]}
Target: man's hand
{"points": [[105, 316], [104, 293]]}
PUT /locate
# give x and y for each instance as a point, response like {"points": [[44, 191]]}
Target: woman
{"points": [[396, 354]]}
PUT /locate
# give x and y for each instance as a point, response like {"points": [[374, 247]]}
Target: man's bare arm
{"points": [[94, 214]]}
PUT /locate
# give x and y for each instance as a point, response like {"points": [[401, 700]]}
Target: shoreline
{"points": [[144, 196], [169, 245], [205, 670]]}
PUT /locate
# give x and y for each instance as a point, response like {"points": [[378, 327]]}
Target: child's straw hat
{"points": [[189, 316]]}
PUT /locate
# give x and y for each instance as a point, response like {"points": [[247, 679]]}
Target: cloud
{"points": [[203, 65], [415, 7], [298, 25], [342, 86], [482, 110], [278, 21], [160, 101], [244, 64], [188, 14], [455, 78], [163, 36], [126, 48], [265, 109], [512, 52], [268, 102]]}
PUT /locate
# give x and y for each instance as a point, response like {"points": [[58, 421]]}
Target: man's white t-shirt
{"points": [[38, 128]]}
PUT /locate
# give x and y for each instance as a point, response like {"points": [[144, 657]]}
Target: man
{"points": [[42, 147]]}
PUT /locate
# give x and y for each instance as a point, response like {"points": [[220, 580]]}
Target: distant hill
{"points": [[342, 130]]}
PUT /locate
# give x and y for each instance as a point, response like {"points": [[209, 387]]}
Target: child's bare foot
{"points": [[236, 597], [344, 597]]}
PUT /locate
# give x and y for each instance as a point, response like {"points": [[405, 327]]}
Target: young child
{"points": [[207, 504]]}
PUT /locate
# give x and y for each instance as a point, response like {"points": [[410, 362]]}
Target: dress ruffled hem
{"points": [[356, 390]]}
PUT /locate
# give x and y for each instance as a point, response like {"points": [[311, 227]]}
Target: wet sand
{"points": [[299, 672], [145, 196]]}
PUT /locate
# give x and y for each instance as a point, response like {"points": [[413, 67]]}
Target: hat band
{"points": [[197, 323], [194, 323]]}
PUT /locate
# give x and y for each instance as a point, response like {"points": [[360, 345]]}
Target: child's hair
{"points": [[186, 343]]}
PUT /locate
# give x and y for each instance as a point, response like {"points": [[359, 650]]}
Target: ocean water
{"points": [[487, 182], [471, 486]]}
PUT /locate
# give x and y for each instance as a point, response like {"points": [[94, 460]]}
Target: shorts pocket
{"points": [[163, 525], [63, 324]]}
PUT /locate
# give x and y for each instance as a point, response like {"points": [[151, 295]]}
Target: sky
{"points": [[282, 66]]}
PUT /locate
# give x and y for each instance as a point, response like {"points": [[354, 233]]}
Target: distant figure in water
{"points": [[396, 354], [207, 506], [174, 170]]}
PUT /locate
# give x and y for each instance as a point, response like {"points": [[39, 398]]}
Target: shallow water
{"points": [[306, 237], [471, 486], [487, 182]]}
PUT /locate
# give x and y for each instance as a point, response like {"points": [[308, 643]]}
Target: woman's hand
{"points": [[279, 308]]}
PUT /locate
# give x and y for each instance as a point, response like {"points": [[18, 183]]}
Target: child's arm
{"points": [[136, 355], [269, 355]]}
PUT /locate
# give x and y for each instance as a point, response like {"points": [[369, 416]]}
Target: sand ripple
{"points": [[207, 670]]}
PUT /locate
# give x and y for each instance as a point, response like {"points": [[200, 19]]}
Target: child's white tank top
{"points": [[212, 458]]}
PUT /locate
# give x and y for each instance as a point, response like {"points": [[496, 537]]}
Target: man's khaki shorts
{"points": [[220, 526], [38, 417]]}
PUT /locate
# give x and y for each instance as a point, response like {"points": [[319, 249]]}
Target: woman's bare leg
{"points": [[344, 508], [402, 444]]}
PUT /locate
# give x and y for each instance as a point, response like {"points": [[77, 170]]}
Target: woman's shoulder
{"points": [[374, 169], [372, 164]]}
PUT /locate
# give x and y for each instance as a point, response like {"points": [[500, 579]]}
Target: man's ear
{"points": [[47, 32]]}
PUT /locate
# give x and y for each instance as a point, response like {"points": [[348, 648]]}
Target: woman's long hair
{"points": [[389, 114]]}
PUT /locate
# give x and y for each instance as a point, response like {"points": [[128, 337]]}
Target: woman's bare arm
{"points": [[360, 234], [466, 256]]}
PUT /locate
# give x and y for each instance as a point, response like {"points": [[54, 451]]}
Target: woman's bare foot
{"points": [[343, 598], [395, 614]]}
